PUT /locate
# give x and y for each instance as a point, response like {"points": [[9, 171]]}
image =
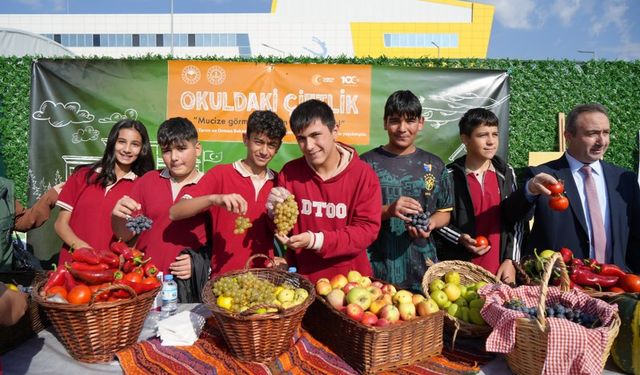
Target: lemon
{"points": [[224, 302], [12, 287]]}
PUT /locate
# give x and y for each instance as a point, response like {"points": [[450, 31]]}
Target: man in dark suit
{"points": [[603, 217]]}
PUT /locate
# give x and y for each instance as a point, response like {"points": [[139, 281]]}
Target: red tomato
{"points": [[133, 276], [557, 188], [150, 280], [80, 294], [62, 291], [558, 202], [616, 289], [482, 241], [630, 283]]}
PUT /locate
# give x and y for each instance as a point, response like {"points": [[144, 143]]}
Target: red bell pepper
{"points": [[85, 255], [585, 277]]}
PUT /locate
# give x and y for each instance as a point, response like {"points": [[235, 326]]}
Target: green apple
{"points": [[463, 290], [436, 284], [471, 295], [461, 302], [476, 303], [440, 298], [452, 291], [480, 284], [360, 296], [475, 317], [452, 277], [464, 313], [453, 309]]}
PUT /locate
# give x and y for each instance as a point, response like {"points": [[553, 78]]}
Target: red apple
{"points": [[426, 307], [389, 289], [360, 296], [350, 285], [407, 310], [354, 276], [369, 318], [390, 313], [377, 284], [338, 281], [336, 298], [323, 287], [355, 311], [382, 322]]}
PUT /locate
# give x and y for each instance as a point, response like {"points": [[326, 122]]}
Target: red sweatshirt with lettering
{"points": [[345, 208]]}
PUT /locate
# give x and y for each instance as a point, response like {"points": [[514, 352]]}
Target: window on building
{"points": [[409, 40], [135, 40], [191, 42], [96, 40], [159, 40]]}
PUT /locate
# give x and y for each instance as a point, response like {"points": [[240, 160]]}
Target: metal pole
{"points": [[171, 27], [437, 46], [593, 53]]}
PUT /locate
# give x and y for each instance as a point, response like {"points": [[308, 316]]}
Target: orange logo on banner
{"points": [[218, 97]]}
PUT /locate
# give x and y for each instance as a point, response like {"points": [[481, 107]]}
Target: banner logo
{"points": [[349, 80], [216, 75], [318, 79], [191, 74]]}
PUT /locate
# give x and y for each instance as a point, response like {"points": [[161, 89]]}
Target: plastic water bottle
{"points": [[169, 297]]}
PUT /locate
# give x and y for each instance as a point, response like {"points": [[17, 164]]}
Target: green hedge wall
{"points": [[539, 90]]}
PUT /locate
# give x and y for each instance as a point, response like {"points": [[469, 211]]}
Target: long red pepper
{"points": [[109, 258], [94, 277], [56, 278], [81, 266], [86, 255], [609, 270], [585, 277]]}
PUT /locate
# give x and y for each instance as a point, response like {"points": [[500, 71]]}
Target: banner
{"points": [[74, 104]]}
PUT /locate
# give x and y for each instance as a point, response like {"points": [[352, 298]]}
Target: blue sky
{"points": [[522, 29]]}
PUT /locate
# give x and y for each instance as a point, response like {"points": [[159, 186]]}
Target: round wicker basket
{"points": [[259, 337], [469, 273], [530, 351], [94, 332]]}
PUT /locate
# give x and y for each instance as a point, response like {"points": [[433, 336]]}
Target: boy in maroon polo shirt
{"points": [[481, 181], [155, 192], [338, 196], [241, 188]]}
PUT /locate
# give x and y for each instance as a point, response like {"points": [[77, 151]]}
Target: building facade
{"points": [[328, 28]]}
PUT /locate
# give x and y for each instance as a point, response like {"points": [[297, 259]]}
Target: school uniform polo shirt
{"points": [[163, 242], [90, 206], [231, 251]]}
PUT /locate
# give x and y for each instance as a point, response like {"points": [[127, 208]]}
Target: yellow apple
{"points": [[377, 305], [452, 291], [417, 298], [426, 307], [452, 277], [402, 296]]}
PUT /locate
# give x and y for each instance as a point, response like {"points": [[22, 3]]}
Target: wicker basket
{"points": [[373, 349], [530, 351], [259, 337], [469, 273], [94, 332]]}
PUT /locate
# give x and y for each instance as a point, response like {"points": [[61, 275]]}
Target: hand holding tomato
{"points": [[555, 189]]}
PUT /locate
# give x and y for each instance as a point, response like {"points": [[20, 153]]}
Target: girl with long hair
{"points": [[92, 190]]}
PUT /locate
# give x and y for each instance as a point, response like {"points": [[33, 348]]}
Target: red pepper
{"points": [[150, 269], [93, 277], [81, 266], [575, 262], [86, 255], [121, 248], [610, 270], [567, 255], [139, 288], [128, 266], [109, 258], [584, 277], [118, 275], [56, 278], [69, 281], [590, 262]]}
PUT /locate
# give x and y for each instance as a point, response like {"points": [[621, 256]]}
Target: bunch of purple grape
{"points": [[557, 310], [420, 221], [138, 224]]}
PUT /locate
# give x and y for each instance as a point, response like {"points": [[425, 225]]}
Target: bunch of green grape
{"points": [[285, 215], [242, 224], [246, 290]]}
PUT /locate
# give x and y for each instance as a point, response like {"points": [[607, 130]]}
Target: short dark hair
{"points": [[403, 103], [572, 118], [175, 131], [305, 113], [267, 123], [476, 117]]}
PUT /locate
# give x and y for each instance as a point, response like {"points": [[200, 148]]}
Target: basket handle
{"points": [[544, 286], [247, 265], [251, 310], [430, 263], [127, 288]]}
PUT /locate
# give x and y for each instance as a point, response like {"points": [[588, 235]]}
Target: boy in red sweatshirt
{"points": [[338, 196]]}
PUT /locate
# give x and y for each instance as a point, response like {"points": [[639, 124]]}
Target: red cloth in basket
{"points": [[571, 348]]}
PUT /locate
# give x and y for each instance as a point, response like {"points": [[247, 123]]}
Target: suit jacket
{"points": [[554, 230]]}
